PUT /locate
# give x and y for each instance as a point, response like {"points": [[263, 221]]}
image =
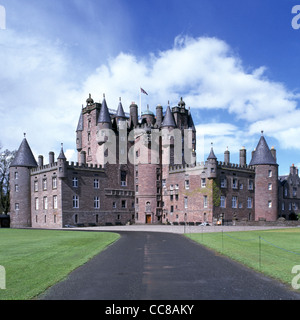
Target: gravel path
{"points": [[177, 229]]}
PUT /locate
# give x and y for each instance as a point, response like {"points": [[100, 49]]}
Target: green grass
{"points": [[259, 254], [36, 259]]}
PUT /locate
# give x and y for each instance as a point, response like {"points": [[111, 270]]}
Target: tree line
{"points": [[6, 158]]}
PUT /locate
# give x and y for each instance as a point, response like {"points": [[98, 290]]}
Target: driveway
{"points": [[164, 266]]}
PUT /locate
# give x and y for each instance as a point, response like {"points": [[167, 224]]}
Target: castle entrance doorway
{"points": [[148, 219]]}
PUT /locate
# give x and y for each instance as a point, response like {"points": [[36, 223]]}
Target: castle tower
{"points": [[62, 164], [79, 133], [20, 187], [87, 130], [266, 182], [212, 165], [168, 125]]}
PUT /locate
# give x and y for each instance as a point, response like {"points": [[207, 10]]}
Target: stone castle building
{"points": [[143, 170]]}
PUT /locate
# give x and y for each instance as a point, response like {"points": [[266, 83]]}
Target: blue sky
{"points": [[235, 63]]}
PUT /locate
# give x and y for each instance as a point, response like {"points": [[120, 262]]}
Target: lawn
{"points": [[36, 259], [272, 252]]}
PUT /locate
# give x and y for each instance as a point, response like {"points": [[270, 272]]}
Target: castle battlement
{"points": [[70, 165], [236, 166]]}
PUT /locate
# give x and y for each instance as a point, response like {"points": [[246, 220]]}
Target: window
{"points": [[270, 186], [282, 206], [44, 184], [36, 186], [163, 183], [295, 206], [75, 202], [123, 204], [223, 183], [96, 183], [16, 175], [16, 188], [136, 188], [241, 186], [176, 197], [75, 182], [234, 202], [270, 204], [36, 201], [290, 206], [176, 186], [171, 197], [172, 209], [234, 183], [250, 185], [123, 178], [45, 203], [171, 187], [270, 173], [17, 206], [54, 183], [285, 192], [223, 202], [249, 203], [205, 202], [185, 202], [203, 183], [54, 202], [96, 202], [187, 184], [114, 205], [294, 192]]}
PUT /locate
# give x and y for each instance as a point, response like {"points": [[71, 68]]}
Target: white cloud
{"points": [[41, 92]]}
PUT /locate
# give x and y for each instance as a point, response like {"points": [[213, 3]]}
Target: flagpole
{"points": [[141, 101]]}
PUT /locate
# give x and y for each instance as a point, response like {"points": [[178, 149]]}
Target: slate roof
{"points": [[120, 112], [190, 121], [24, 156], [262, 154], [62, 155], [104, 116], [168, 119], [80, 123], [212, 154]]}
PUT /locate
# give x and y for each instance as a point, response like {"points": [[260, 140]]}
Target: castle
{"points": [[143, 170]]}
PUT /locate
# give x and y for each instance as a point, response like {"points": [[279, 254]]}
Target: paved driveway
{"points": [[164, 266]]}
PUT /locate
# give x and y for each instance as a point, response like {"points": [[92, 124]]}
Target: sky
{"points": [[235, 63]]}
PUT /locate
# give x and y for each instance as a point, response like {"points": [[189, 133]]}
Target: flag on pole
{"points": [[143, 91]]}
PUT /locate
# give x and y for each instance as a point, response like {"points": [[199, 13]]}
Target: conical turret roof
{"points": [[190, 121], [24, 156], [168, 119], [80, 123], [262, 154], [62, 154], [104, 116], [212, 154], [120, 112]]}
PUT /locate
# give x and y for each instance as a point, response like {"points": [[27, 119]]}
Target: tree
{"points": [[6, 158]]}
